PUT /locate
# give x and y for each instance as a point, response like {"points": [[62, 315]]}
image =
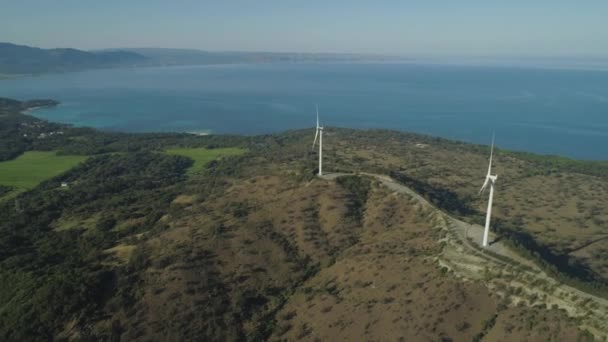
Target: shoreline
{"points": [[435, 62], [520, 153], [30, 106], [199, 133], [35, 108]]}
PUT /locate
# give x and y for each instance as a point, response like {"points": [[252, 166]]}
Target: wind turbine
{"points": [[491, 179], [319, 133]]}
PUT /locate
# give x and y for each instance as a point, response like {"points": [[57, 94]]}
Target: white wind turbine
{"points": [[491, 179], [319, 133]]}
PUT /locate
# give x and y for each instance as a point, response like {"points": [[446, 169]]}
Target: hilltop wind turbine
{"points": [[319, 133], [491, 179]]}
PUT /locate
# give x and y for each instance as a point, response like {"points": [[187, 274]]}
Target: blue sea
{"points": [[562, 112]]}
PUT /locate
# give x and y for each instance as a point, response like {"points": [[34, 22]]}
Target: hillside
{"points": [[184, 237], [20, 59], [551, 206], [18, 132]]}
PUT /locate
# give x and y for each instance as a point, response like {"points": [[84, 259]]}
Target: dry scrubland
{"points": [[286, 259], [254, 247], [558, 206]]}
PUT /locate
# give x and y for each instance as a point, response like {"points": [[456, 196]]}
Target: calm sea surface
{"points": [[560, 112]]}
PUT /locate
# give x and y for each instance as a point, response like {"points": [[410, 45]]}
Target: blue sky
{"points": [[417, 28]]}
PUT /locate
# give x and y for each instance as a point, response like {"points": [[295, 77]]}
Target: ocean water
{"points": [[563, 112]]}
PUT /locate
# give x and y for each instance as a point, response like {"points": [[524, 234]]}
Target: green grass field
{"points": [[202, 156], [31, 168]]}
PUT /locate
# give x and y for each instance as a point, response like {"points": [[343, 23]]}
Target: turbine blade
{"points": [[483, 187], [491, 155], [316, 135], [317, 106]]}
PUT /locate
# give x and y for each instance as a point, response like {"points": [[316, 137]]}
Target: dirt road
{"points": [[499, 267]]}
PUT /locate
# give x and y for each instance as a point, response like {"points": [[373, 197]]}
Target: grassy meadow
{"points": [[202, 156], [29, 169]]}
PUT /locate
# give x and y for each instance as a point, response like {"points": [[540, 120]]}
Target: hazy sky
{"points": [[429, 27]]}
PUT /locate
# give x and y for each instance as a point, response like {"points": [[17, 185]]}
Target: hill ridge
{"points": [[22, 59]]}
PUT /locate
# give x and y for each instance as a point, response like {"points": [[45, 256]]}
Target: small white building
{"points": [[64, 184]]}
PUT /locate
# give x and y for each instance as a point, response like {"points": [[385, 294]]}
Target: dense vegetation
{"points": [[156, 238], [358, 189], [18, 132], [50, 272], [555, 164], [439, 196], [53, 264], [203, 156]]}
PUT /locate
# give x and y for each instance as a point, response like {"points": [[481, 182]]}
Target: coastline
{"points": [[199, 133], [572, 162], [521, 115], [29, 110], [32, 105]]}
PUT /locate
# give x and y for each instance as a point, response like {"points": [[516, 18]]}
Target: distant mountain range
{"points": [[162, 56], [20, 59]]}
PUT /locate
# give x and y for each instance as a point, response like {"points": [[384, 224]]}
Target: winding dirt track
{"points": [[498, 264]]}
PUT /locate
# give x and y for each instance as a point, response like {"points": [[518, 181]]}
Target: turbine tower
{"points": [[491, 179], [319, 133]]}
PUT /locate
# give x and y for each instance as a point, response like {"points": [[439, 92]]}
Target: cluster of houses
{"points": [[37, 127]]}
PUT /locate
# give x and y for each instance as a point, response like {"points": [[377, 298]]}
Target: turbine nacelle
{"points": [[318, 128], [489, 178]]}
